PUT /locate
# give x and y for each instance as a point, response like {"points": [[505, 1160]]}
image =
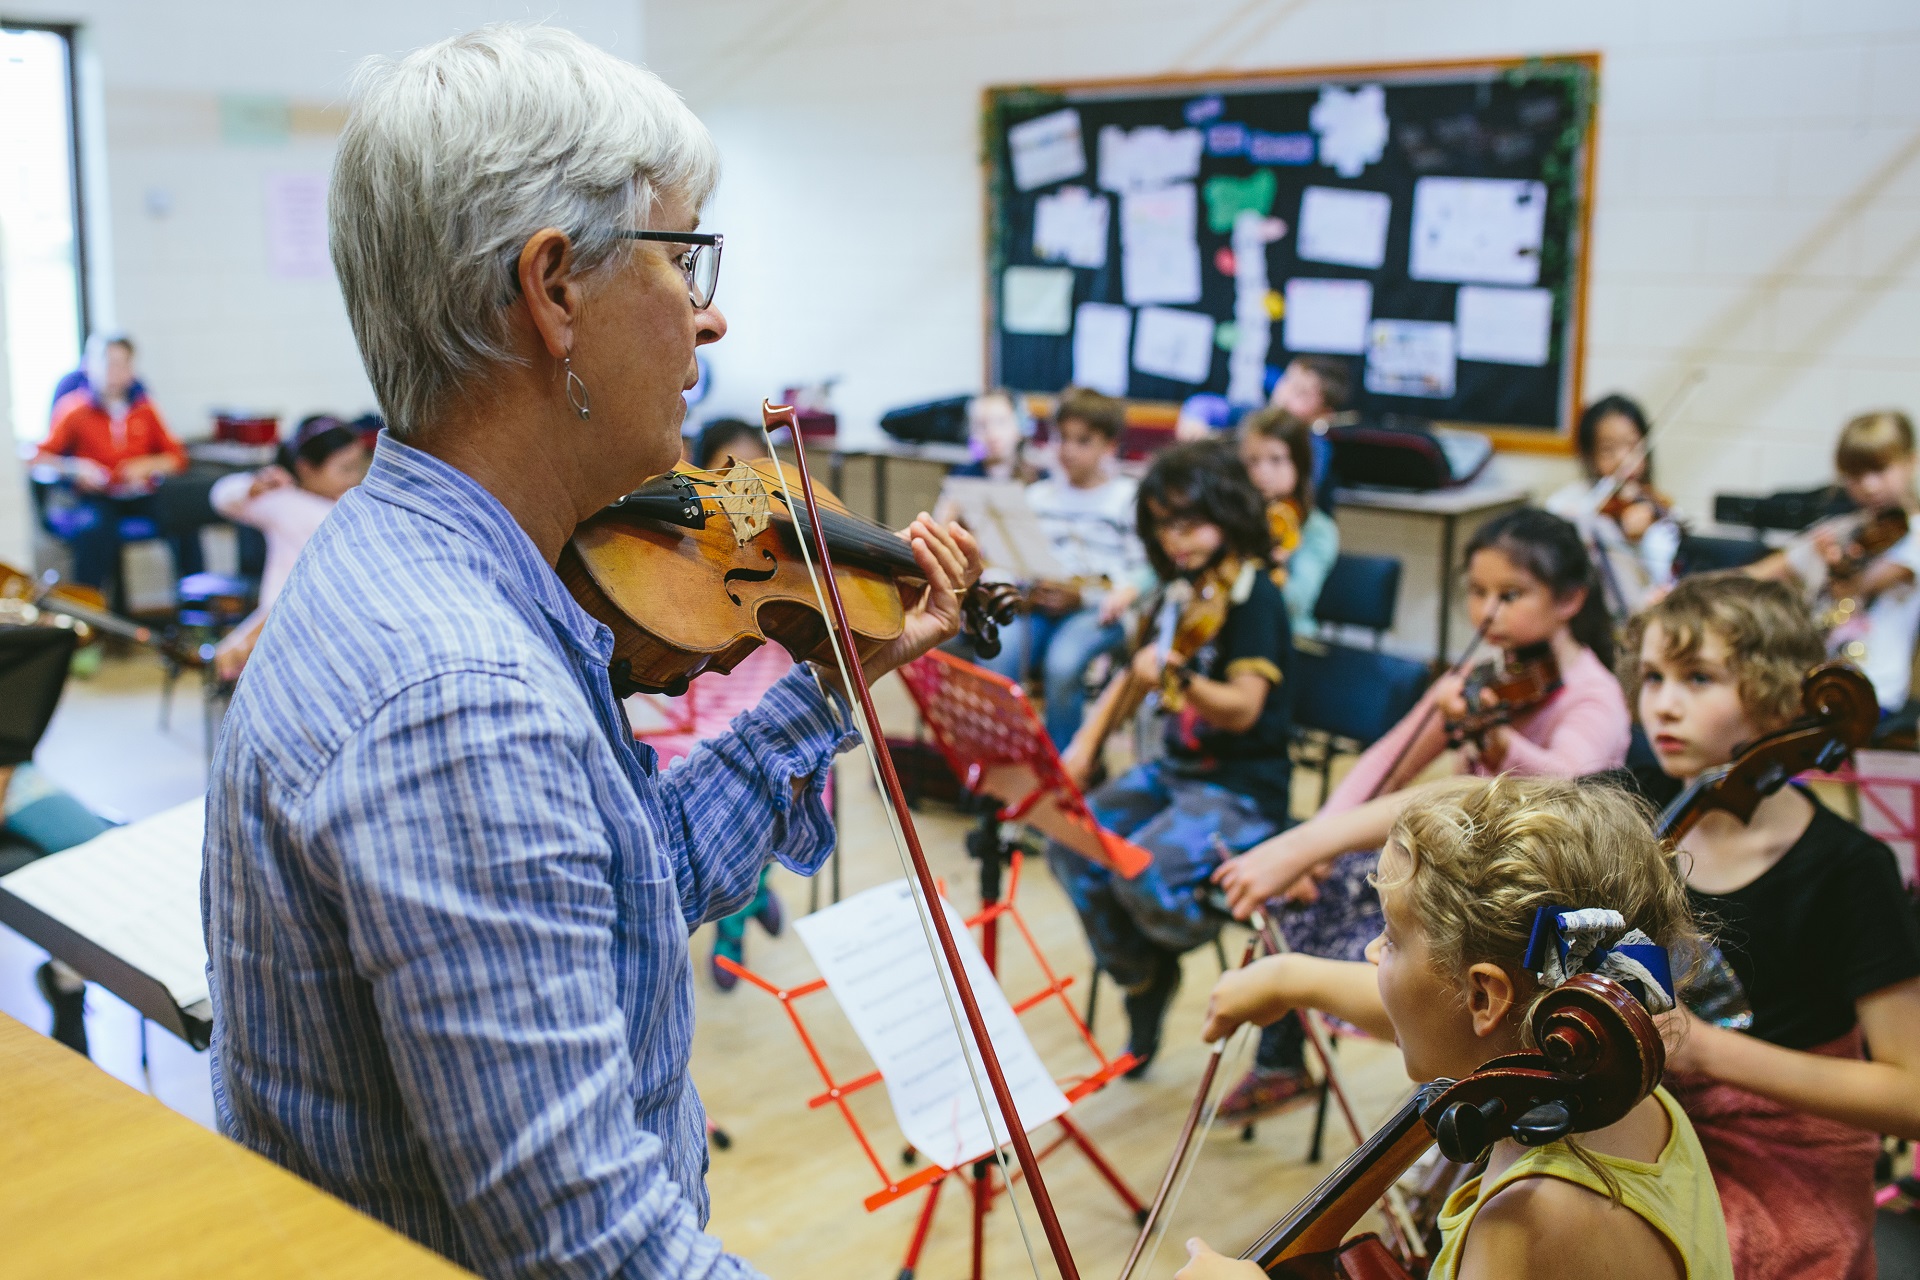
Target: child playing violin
{"points": [[1469, 872], [1529, 583], [1815, 925], [1875, 606], [1630, 526], [1227, 715], [1277, 449]]}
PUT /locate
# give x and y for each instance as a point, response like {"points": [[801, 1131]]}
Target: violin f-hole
{"points": [[748, 575]]}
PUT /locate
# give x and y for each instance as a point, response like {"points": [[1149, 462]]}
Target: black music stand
{"points": [[33, 672]]}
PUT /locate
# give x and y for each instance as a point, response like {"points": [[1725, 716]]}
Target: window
{"points": [[41, 251]]}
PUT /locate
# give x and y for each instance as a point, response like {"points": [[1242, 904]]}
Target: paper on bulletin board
{"points": [[1100, 333], [1170, 343], [1327, 315], [1410, 358], [297, 226], [1047, 149], [1352, 125], [872, 951], [1036, 300], [1159, 254], [1478, 230], [1348, 228], [1504, 326], [1148, 157], [1070, 225]]}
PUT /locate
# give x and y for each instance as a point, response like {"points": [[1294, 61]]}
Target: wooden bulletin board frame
{"points": [[1581, 70]]}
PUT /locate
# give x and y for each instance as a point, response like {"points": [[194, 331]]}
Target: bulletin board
{"points": [[1426, 223]]}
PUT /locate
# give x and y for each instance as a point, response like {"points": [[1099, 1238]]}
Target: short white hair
{"points": [[453, 156]]}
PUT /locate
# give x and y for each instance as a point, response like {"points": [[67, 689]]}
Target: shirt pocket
{"points": [[653, 977]]}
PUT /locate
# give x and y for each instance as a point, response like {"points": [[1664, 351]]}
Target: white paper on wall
{"points": [[1352, 124], [872, 951], [1159, 255], [1047, 149], [1478, 230], [1036, 300], [1173, 344], [1070, 225], [1348, 228], [1252, 322], [297, 226], [1327, 315], [1410, 358], [1100, 333], [1148, 157], [1505, 326]]}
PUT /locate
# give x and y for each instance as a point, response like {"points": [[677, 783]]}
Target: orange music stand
{"points": [[988, 733]]}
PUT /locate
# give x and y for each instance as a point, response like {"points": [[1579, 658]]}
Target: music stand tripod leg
{"points": [[921, 1230]]}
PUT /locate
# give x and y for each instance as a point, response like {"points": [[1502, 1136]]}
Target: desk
{"points": [[869, 497], [1484, 496], [104, 1182]]}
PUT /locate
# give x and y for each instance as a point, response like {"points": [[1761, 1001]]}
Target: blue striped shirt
{"points": [[447, 898]]}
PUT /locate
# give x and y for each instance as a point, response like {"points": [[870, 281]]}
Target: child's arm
{"points": [[1232, 704], [1546, 1227], [1882, 1096], [1591, 737], [1265, 870], [1267, 990]]}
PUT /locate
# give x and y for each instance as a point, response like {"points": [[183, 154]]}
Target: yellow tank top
{"points": [[1674, 1194]]}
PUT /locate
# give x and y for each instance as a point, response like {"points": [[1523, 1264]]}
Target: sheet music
{"points": [[873, 953], [135, 891], [1011, 537]]}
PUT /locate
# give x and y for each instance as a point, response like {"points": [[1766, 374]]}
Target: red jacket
{"points": [[82, 429]]}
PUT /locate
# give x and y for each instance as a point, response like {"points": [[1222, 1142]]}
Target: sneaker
{"points": [[733, 950], [69, 1007], [771, 916], [1263, 1091], [1146, 1010]]}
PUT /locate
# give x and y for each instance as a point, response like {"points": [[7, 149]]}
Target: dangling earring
{"points": [[577, 392]]}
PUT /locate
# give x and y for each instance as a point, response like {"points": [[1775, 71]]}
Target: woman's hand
{"points": [[950, 559], [1117, 602], [1204, 1264], [88, 476]]}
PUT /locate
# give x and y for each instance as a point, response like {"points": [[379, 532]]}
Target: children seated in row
{"points": [[1223, 781], [1277, 450], [1631, 530], [1465, 872], [1871, 615], [1087, 510], [1529, 582]]}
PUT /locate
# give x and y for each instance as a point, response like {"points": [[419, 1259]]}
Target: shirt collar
{"points": [[411, 478]]}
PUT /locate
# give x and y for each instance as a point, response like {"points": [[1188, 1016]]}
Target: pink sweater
{"points": [[1582, 729]]}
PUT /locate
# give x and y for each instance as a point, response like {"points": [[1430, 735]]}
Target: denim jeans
{"points": [[1062, 648]]}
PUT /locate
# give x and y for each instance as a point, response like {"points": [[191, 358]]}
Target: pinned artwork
{"points": [[1227, 140], [1159, 249], [1228, 197], [1352, 125], [1280, 148], [1327, 315], [1252, 325], [1147, 158], [1504, 326], [1100, 334], [297, 226], [1347, 228], [1070, 225], [1036, 300], [1170, 343], [1410, 358], [1478, 230], [1047, 149], [1201, 110]]}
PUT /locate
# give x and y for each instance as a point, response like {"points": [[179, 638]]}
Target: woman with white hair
{"points": [[447, 898]]}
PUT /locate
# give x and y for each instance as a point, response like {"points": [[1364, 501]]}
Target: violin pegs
{"points": [[1548, 1122], [1465, 1130]]}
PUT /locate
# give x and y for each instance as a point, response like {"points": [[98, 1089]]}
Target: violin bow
{"points": [[1383, 786], [907, 843], [1616, 480]]}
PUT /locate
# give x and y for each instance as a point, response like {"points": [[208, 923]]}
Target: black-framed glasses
{"points": [[700, 263]]}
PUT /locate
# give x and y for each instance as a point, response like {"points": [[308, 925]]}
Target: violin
{"points": [[1600, 1055], [1284, 522], [26, 601], [1632, 495], [1840, 713], [695, 570], [1519, 682]]}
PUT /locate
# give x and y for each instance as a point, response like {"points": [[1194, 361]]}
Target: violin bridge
{"points": [[743, 497]]}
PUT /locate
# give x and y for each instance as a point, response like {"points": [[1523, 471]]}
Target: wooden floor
{"points": [[788, 1194]]}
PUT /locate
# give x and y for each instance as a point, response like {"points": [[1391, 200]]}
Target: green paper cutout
{"points": [[1228, 197]]}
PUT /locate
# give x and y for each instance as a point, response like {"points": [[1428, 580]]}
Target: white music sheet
{"points": [[1012, 539], [134, 891], [873, 953]]}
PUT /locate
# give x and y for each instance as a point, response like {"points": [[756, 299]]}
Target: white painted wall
{"points": [[1757, 203]]}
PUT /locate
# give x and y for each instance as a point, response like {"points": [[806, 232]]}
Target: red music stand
{"points": [[989, 735]]}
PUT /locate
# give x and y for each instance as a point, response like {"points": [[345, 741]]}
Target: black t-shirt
{"points": [[1826, 924], [1255, 637]]}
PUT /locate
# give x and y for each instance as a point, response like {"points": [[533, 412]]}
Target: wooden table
{"points": [[103, 1181]]}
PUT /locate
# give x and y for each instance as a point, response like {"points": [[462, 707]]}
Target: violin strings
{"points": [[924, 913]]}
